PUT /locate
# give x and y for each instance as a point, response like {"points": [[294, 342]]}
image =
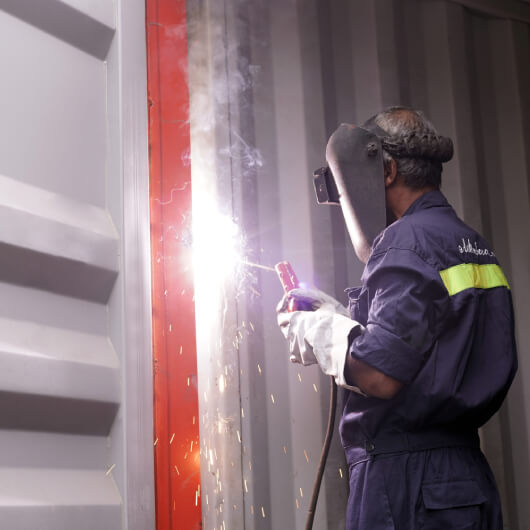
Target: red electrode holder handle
{"points": [[289, 282], [287, 276]]}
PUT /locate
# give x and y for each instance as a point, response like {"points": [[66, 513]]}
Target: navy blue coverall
{"points": [[438, 316]]}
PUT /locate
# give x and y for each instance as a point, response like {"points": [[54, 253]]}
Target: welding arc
{"points": [[323, 455]]}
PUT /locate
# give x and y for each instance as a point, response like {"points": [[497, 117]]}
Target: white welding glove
{"points": [[321, 337]]}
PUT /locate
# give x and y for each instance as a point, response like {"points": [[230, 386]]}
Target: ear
{"points": [[390, 172]]}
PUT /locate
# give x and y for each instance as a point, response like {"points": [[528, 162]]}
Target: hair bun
{"points": [[420, 145]]}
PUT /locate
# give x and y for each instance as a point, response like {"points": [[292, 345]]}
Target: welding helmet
{"points": [[354, 178]]}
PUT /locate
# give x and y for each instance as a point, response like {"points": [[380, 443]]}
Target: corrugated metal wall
{"points": [[75, 438], [270, 80]]}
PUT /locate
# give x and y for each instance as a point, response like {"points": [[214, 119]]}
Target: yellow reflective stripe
{"points": [[469, 275]]}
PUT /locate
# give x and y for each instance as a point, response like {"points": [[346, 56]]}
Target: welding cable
{"points": [[323, 455]]}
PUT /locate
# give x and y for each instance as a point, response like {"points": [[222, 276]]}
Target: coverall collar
{"points": [[431, 199]]}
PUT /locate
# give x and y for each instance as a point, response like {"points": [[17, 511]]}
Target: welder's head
{"points": [[410, 139], [398, 145]]}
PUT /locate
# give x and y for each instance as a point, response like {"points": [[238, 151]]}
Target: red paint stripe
{"points": [[177, 463]]}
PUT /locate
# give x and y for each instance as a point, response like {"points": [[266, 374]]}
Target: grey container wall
{"points": [[270, 81], [76, 439]]}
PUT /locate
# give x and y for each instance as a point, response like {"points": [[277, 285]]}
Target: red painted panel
{"points": [[177, 462]]}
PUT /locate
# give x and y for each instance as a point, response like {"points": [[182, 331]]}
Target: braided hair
{"points": [[409, 138]]}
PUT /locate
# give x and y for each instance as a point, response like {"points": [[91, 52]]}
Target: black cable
{"points": [[323, 455]]}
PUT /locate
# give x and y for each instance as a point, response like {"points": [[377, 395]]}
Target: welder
{"points": [[427, 352]]}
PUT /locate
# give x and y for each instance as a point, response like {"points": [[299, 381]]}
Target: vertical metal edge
{"points": [[139, 510], [513, 163], [175, 411], [494, 442], [214, 51]]}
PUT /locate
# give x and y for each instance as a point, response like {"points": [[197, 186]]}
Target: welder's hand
{"points": [[322, 337], [314, 298], [294, 326]]}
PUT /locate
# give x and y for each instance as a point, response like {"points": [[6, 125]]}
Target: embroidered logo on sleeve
{"points": [[472, 248]]}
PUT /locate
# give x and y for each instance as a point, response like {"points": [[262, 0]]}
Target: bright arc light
{"points": [[217, 244]]}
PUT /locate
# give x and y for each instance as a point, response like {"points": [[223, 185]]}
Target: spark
{"points": [[172, 438], [297, 504], [315, 387], [191, 447], [251, 326], [299, 377], [252, 509], [156, 441], [180, 352], [340, 472], [188, 381], [177, 470], [257, 293], [193, 420], [272, 398], [259, 368], [250, 465], [109, 471], [222, 383], [301, 493], [170, 327], [239, 436], [242, 412], [196, 498], [245, 483], [306, 457], [263, 512]]}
